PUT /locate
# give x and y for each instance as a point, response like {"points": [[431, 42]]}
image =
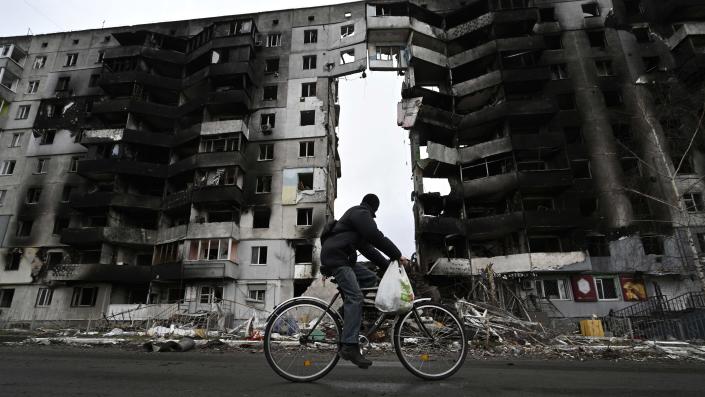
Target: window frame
{"points": [[694, 198], [266, 152], [16, 140], [273, 40], [71, 59], [308, 90], [307, 117], [263, 184], [33, 87], [307, 149], [599, 288], [561, 284], [23, 112], [344, 30], [78, 296], [310, 36], [305, 213], [7, 165], [259, 249], [44, 297]]}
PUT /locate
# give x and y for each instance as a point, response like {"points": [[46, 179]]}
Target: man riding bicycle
{"points": [[356, 231]]}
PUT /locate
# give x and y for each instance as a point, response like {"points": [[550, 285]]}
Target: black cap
{"points": [[372, 201]]}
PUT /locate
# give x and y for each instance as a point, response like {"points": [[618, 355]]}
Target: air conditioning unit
{"points": [[266, 129], [528, 285]]}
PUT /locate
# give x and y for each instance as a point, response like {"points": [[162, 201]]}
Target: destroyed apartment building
{"points": [[196, 161]]}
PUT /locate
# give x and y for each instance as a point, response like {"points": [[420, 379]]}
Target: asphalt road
{"points": [[113, 372]]}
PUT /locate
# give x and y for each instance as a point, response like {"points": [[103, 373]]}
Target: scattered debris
{"points": [[183, 345]]}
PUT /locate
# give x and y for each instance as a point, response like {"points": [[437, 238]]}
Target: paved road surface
{"points": [[112, 372]]}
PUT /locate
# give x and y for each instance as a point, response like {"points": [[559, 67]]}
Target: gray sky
{"points": [[374, 151]]}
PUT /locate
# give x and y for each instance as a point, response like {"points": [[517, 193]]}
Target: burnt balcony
{"points": [[441, 225], [217, 194], [479, 91], [177, 200], [108, 168], [92, 236], [118, 83], [553, 220], [392, 22], [148, 52], [503, 21], [206, 160], [213, 230], [536, 111], [490, 227], [111, 199], [212, 128], [688, 48], [194, 270], [97, 272], [136, 105], [499, 185], [6, 93], [237, 101], [97, 136]]}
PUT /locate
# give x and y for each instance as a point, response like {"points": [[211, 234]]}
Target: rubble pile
{"points": [[488, 323]]}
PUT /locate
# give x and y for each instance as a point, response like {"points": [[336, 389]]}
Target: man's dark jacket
{"points": [[355, 231]]}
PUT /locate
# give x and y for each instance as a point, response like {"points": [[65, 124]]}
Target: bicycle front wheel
{"points": [[430, 341], [301, 340]]}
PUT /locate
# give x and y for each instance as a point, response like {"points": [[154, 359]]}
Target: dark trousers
{"points": [[350, 279]]}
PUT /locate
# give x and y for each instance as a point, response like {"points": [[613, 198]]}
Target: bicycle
{"points": [[302, 338]]}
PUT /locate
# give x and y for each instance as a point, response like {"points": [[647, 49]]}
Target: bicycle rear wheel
{"points": [[430, 341], [301, 340]]}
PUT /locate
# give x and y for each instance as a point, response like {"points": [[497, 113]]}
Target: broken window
{"points": [[306, 149], [259, 255], [66, 194], [553, 41], [591, 10], [310, 36], [510, 4], [538, 204], [264, 184], [488, 167], [44, 296], [16, 139], [166, 253], [33, 195], [271, 65], [47, 137], [544, 244], [309, 62], [266, 152], [6, 295], [305, 181], [209, 249], [559, 71], [39, 62], [7, 167], [303, 253], [308, 117], [93, 80], [256, 292], [304, 217], [260, 218], [71, 59], [581, 169], [518, 59], [220, 143], [24, 228], [62, 84], [13, 260], [41, 166], [597, 38], [653, 245], [84, 296], [274, 40], [552, 289], [347, 30], [388, 53], [651, 64], [642, 34], [693, 202], [587, 206], [566, 101], [210, 294], [220, 177], [32, 87], [597, 246], [640, 206], [23, 112], [606, 288], [101, 56], [347, 56], [547, 14], [221, 216], [308, 89], [270, 93], [604, 68], [613, 98]]}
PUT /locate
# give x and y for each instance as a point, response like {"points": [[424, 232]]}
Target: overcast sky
{"points": [[373, 150]]}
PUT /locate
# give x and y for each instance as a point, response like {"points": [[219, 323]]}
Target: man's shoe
{"points": [[352, 354]]}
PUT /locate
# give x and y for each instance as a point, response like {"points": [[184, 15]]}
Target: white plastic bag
{"points": [[394, 293]]}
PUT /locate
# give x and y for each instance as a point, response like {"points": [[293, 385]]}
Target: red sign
{"points": [[632, 290], [583, 288]]}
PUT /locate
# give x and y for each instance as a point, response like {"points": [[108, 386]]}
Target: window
{"points": [[220, 143], [210, 249], [3, 194], [47, 137], [71, 59], [166, 253], [16, 140], [547, 14], [256, 292], [613, 98], [62, 84], [347, 30], [93, 81], [39, 62], [221, 176], [538, 204], [274, 40], [304, 217], [347, 56], [653, 245], [44, 296], [13, 260], [591, 10], [693, 202], [552, 289], [41, 166], [7, 167], [604, 68], [545, 244], [306, 149], [581, 169], [23, 112], [305, 181], [260, 218], [606, 288], [642, 34], [33, 195], [553, 42], [264, 184], [259, 256], [566, 101], [559, 71], [308, 117], [84, 296], [66, 193], [59, 225], [6, 296], [651, 63], [208, 295], [268, 121], [303, 253], [101, 55], [310, 36], [266, 152], [271, 65], [597, 38], [33, 86], [75, 41], [309, 62], [270, 93], [308, 89], [50, 110], [73, 164]]}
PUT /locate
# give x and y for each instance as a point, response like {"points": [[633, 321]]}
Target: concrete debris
{"points": [[183, 345], [488, 322]]}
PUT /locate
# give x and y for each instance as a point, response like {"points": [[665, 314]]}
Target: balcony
{"points": [[107, 168], [153, 53], [121, 200], [136, 105], [526, 111], [232, 101], [120, 82], [688, 49], [238, 68], [177, 200], [96, 272], [9, 65], [213, 230], [497, 186], [441, 225], [212, 128], [127, 135], [195, 270], [217, 194], [528, 79], [206, 160], [490, 227], [6, 93], [304, 271], [494, 18], [113, 235], [170, 234], [240, 40]]}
